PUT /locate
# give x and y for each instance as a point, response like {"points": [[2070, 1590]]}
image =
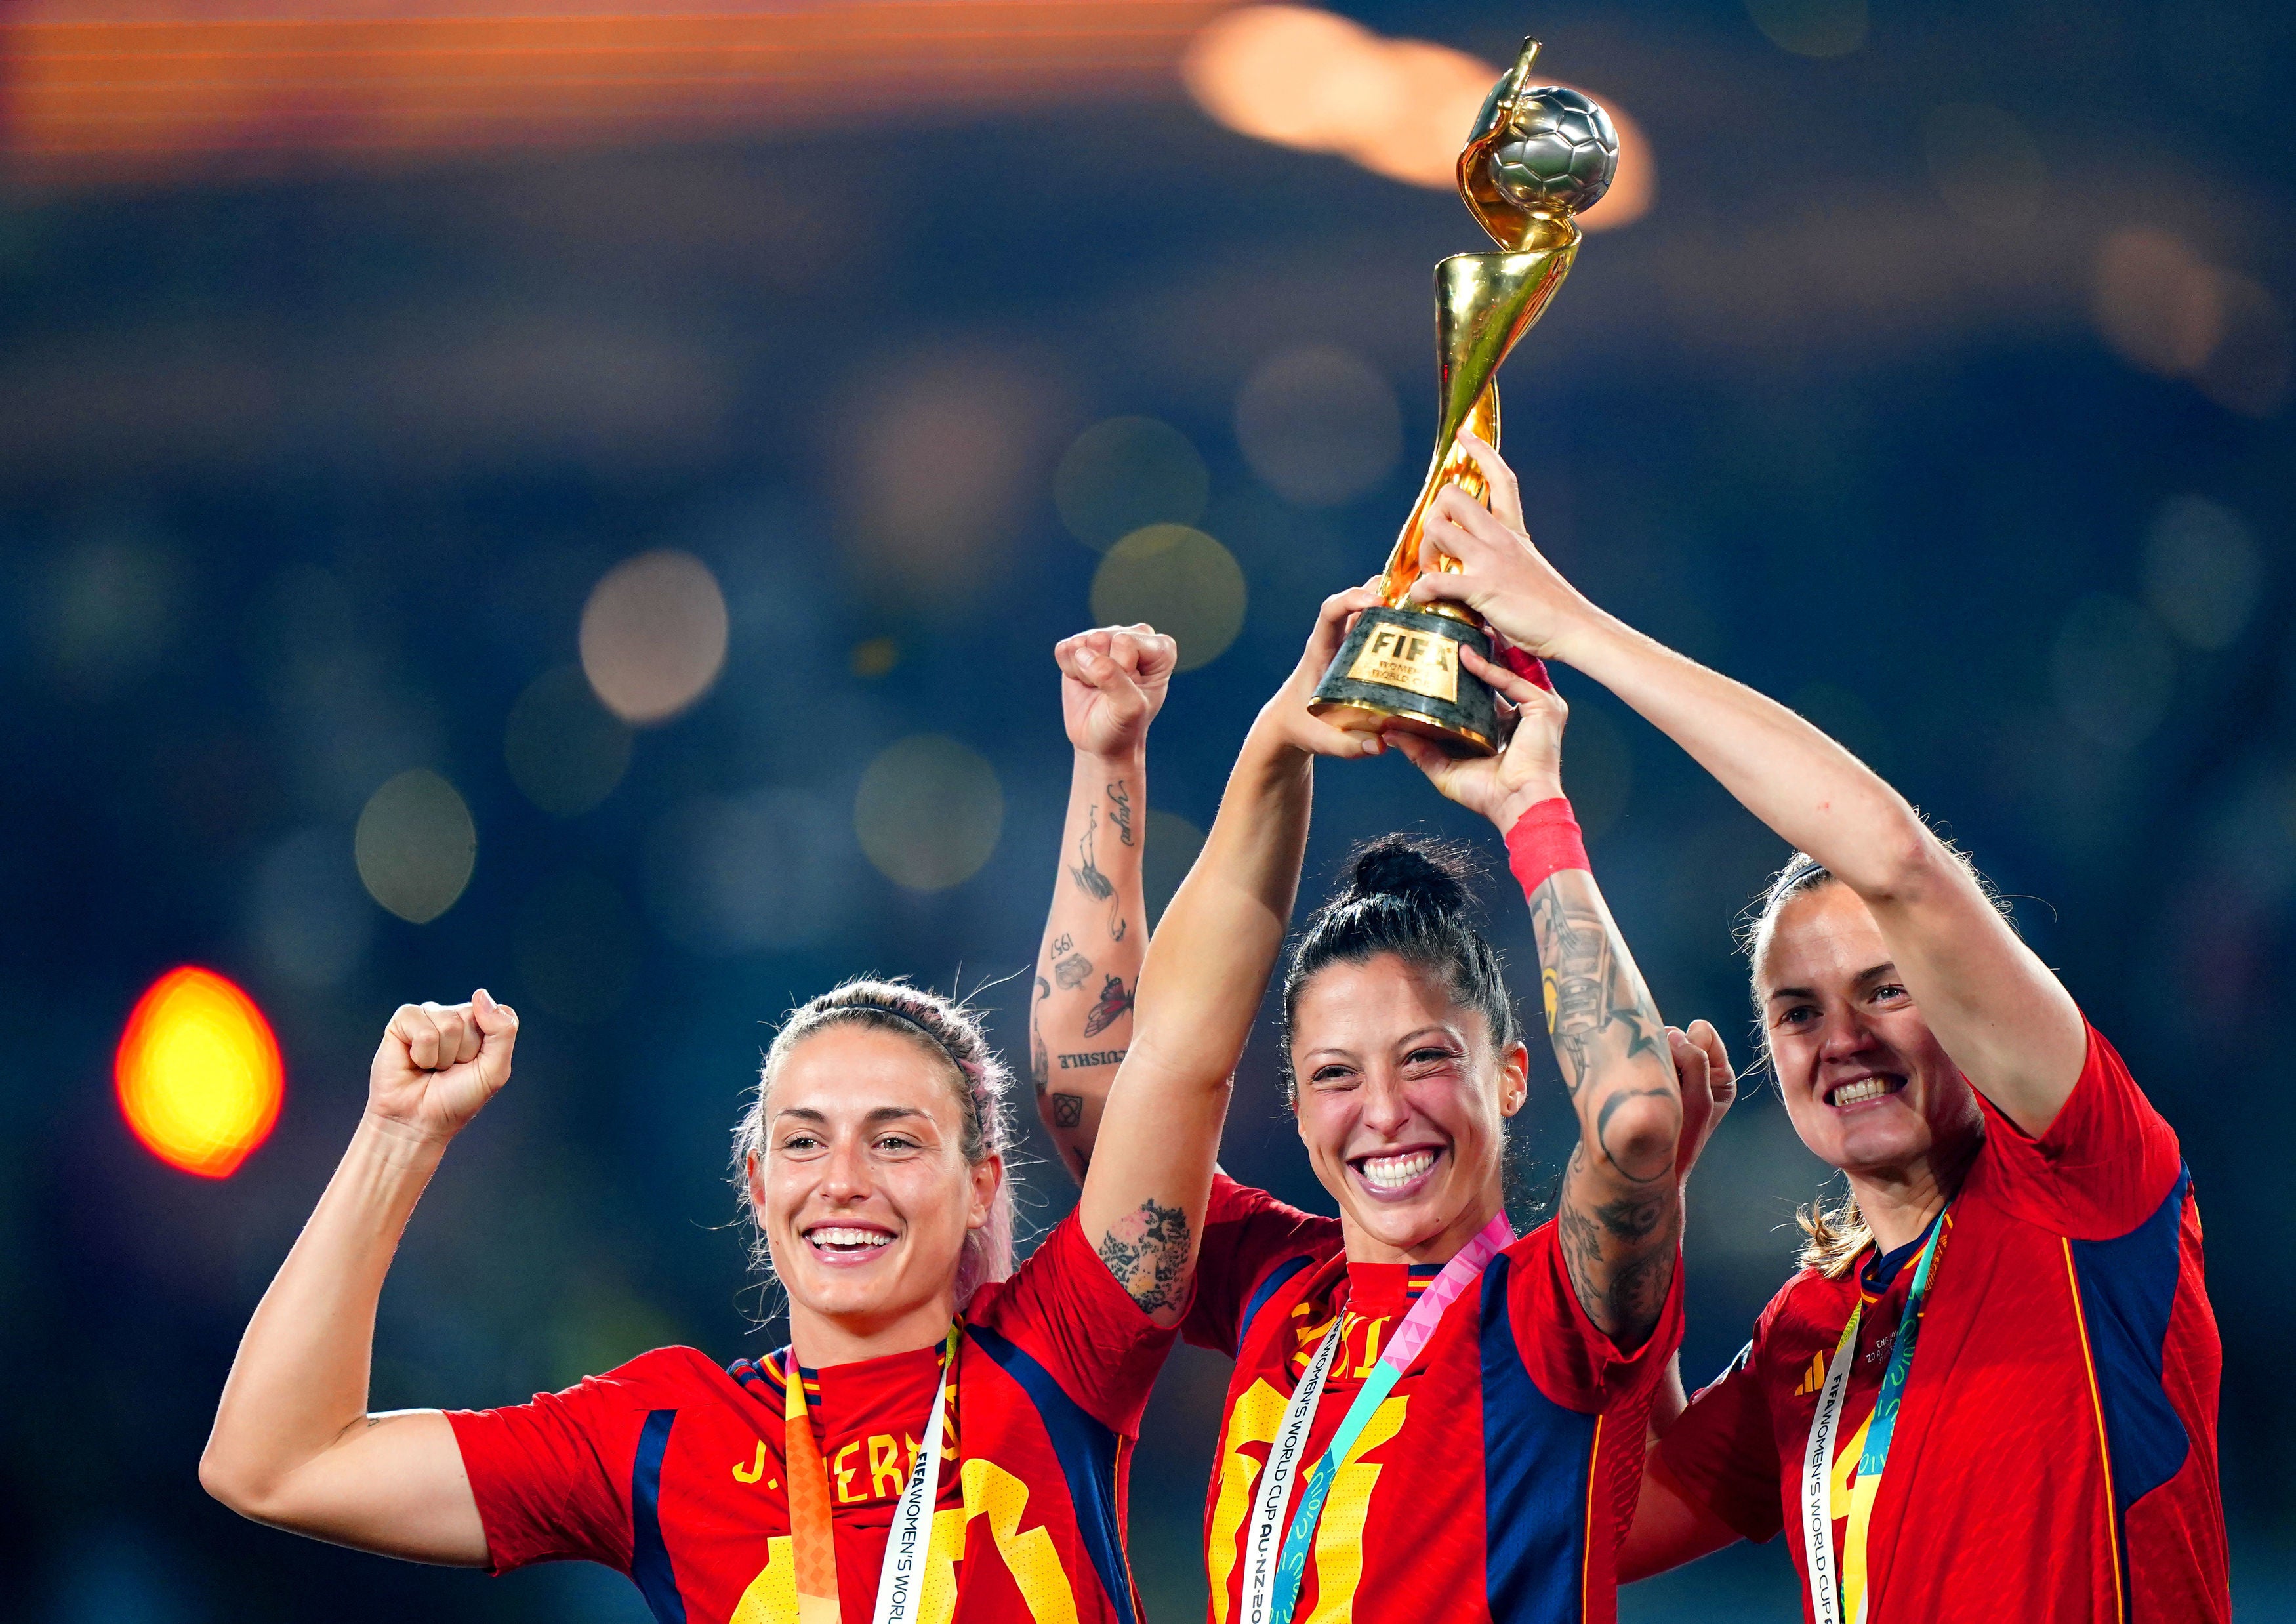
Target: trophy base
{"points": [[1399, 669]]}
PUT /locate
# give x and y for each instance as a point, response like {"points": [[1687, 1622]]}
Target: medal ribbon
{"points": [[1271, 1591], [812, 1534], [1840, 1597]]}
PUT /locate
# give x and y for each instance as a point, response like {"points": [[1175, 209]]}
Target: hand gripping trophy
{"points": [[1538, 155]]}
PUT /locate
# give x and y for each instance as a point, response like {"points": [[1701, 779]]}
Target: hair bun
{"points": [[1423, 872]]}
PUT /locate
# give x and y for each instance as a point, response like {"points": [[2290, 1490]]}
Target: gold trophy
{"points": [[1538, 155]]}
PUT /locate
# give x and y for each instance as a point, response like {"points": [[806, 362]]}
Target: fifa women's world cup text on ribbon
{"points": [[1272, 1590], [1842, 1598], [812, 1538]]}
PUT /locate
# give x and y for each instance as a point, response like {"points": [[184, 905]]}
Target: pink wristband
{"points": [[1544, 841]]}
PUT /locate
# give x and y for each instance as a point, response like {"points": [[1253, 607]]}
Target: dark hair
{"points": [[1407, 897]]}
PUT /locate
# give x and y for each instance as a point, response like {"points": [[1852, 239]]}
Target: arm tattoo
{"points": [[1120, 809], [1071, 971], [1147, 1251], [1114, 1004], [1086, 873], [1588, 990], [1040, 1063], [1068, 1110], [1088, 878], [1619, 1255]]}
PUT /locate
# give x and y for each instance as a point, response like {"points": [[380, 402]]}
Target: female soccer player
{"points": [[940, 1442], [1430, 1418], [1990, 1392]]}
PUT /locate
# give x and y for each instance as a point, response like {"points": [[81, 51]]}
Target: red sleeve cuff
{"points": [[1544, 841]]}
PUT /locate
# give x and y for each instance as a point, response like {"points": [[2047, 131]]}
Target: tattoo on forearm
{"points": [[1040, 1068], [1068, 1110], [1588, 988], [1071, 971], [1619, 1254], [1092, 1058], [1086, 873], [1088, 876], [1147, 1251], [1063, 943], [1114, 1004], [1120, 809]]}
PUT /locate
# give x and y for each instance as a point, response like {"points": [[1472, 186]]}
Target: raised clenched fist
{"points": [[438, 1064], [1113, 679]]}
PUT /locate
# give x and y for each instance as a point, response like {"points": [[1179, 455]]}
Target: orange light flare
{"points": [[198, 1073], [1301, 77]]}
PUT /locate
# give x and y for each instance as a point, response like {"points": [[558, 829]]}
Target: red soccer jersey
{"points": [[2055, 1453], [1494, 1483], [670, 1469]]}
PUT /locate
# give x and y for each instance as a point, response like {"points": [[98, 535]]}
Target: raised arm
{"points": [[293, 1444], [2004, 1019], [1620, 1214], [1205, 970], [1112, 683]]}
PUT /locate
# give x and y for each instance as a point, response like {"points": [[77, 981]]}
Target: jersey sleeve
{"points": [[552, 1476], [1572, 1361], [1067, 1311], [2105, 1165], [1721, 1454], [1247, 1234]]}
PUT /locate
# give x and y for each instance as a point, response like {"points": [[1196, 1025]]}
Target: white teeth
{"points": [[1870, 1088], [827, 1235], [1394, 1172]]}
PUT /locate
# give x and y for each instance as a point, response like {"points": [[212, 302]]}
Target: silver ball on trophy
{"points": [[1560, 150]]}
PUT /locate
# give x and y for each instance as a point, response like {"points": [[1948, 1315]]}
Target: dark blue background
{"points": [[1803, 421]]}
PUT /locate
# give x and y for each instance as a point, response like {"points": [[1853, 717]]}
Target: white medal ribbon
{"points": [[1817, 1482], [1275, 1483], [909, 1541]]}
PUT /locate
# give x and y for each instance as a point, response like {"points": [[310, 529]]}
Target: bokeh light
{"points": [[1811, 28], [944, 450], [415, 846], [2157, 302], [198, 1073], [1127, 472], [2111, 666], [2166, 309], [1318, 425], [565, 750], [1985, 165], [2203, 571], [654, 636], [929, 812], [1172, 843], [1178, 581], [1298, 75]]}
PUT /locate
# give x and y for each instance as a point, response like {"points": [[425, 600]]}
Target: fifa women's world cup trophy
{"points": [[1538, 155]]}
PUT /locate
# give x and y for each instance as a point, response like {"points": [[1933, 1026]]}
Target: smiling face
{"points": [[1402, 1104], [864, 1192], [1867, 1085]]}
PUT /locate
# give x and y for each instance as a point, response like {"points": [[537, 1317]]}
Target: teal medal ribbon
{"points": [[1270, 1600], [1842, 1598]]}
